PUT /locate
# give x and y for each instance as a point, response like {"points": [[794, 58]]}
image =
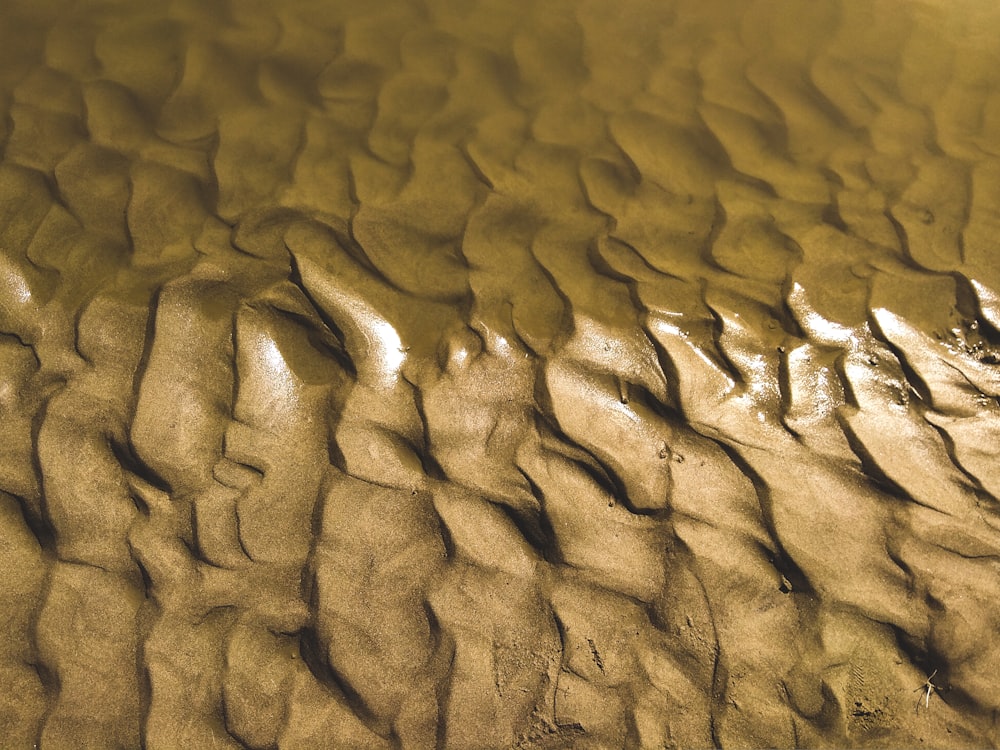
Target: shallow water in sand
{"points": [[499, 374]]}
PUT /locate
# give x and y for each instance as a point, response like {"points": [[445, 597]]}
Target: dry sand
{"points": [[499, 374]]}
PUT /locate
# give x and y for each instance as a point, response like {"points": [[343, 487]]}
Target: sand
{"points": [[498, 374]]}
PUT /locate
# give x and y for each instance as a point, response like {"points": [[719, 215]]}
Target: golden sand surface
{"points": [[499, 374]]}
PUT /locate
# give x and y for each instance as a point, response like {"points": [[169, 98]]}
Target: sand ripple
{"points": [[499, 374]]}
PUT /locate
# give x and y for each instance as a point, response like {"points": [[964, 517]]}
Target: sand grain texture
{"points": [[497, 374]]}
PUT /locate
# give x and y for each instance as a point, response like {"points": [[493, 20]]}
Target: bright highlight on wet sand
{"points": [[481, 374]]}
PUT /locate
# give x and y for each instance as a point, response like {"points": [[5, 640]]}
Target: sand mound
{"points": [[498, 374]]}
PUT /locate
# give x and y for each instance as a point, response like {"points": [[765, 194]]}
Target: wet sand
{"points": [[497, 374]]}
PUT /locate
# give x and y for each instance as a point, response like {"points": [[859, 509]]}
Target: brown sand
{"points": [[499, 374]]}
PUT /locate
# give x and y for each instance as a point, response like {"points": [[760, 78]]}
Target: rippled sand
{"points": [[499, 374]]}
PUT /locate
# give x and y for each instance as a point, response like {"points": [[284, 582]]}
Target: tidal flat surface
{"points": [[479, 374]]}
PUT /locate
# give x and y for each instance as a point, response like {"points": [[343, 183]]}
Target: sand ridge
{"points": [[493, 374]]}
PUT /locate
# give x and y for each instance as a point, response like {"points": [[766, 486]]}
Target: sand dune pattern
{"points": [[497, 374]]}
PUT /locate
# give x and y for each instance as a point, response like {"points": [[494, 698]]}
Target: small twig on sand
{"points": [[927, 687]]}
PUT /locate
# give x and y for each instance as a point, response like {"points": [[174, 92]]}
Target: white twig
{"points": [[927, 687]]}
